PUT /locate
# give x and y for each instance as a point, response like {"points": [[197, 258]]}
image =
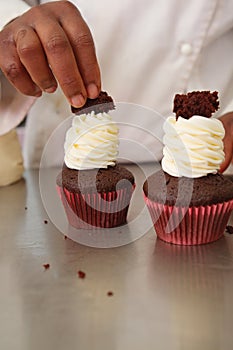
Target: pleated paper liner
{"points": [[103, 210], [189, 226]]}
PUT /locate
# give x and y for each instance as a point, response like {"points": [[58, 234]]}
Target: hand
{"points": [[51, 43], [227, 120]]}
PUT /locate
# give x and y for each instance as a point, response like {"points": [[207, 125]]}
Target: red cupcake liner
{"points": [[189, 226], [106, 210]]}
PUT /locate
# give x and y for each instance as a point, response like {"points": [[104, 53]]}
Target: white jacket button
{"points": [[186, 49]]}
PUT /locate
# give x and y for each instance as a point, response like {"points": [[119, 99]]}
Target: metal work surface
{"points": [[164, 296]]}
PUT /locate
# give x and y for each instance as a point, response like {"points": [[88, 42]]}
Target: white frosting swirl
{"points": [[91, 142], [192, 147]]}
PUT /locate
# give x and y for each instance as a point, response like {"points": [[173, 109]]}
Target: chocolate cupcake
{"points": [[94, 189], [189, 201]]}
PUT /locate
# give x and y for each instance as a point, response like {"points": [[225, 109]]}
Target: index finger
{"points": [[82, 43], [62, 61]]}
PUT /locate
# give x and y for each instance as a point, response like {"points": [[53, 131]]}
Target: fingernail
{"points": [[77, 101], [92, 91], [51, 89]]}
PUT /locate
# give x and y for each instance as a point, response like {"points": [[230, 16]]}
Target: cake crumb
{"points": [[103, 103], [110, 294], [45, 221], [229, 229], [46, 266], [26, 208], [202, 103], [81, 274], [65, 237]]}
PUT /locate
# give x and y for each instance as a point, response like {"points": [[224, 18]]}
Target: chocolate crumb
{"points": [[65, 237], [110, 294], [26, 208], [45, 221], [46, 266], [229, 229], [202, 103], [81, 274], [103, 103]]}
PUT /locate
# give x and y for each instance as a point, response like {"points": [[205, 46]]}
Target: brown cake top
{"points": [[183, 191], [202, 103], [92, 180], [103, 103]]}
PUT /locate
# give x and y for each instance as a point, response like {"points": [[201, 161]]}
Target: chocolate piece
{"points": [[183, 191], [202, 103], [103, 103]]}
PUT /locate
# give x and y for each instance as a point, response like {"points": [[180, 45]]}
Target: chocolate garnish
{"points": [[103, 103], [202, 103]]}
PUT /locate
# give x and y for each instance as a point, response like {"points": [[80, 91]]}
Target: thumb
{"points": [[228, 149]]}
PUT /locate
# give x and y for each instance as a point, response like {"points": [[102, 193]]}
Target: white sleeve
{"points": [[13, 105], [10, 10]]}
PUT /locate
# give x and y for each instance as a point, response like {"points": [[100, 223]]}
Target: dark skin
{"points": [[48, 45], [227, 120], [51, 44]]}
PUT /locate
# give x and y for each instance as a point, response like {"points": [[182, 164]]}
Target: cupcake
{"points": [[95, 190], [190, 202]]}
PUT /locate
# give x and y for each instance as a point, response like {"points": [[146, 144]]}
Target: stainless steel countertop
{"points": [[165, 296]]}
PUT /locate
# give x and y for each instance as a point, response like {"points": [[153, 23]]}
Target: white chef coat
{"points": [[148, 51]]}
